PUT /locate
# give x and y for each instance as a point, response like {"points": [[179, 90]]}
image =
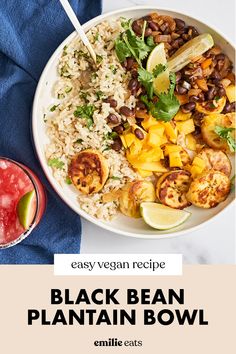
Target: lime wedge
{"points": [[26, 208], [158, 56], [190, 50], [162, 217]]}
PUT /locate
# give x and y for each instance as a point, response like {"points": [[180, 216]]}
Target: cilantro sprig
{"points": [[86, 112], [225, 133], [130, 45], [167, 106], [146, 78]]}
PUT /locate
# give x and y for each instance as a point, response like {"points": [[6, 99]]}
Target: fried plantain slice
{"points": [[216, 160], [89, 171], [210, 122], [172, 188], [209, 189], [133, 194]]}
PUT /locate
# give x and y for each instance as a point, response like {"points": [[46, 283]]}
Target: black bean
{"points": [[130, 62], [194, 31], [117, 144], [111, 101], [188, 107], [211, 93], [216, 75], [140, 105], [180, 24], [136, 28], [221, 92], [175, 44], [216, 82], [220, 56], [178, 76], [220, 64], [233, 106], [227, 108], [139, 120], [153, 25], [147, 18], [119, 129], [126, 111], [134, 74], [133, 84], [181, 90], [139, 134], [112, 118], [197, 118], [148, 32]]}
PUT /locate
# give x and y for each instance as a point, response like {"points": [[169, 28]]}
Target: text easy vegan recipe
{"points": [[149, 131]]}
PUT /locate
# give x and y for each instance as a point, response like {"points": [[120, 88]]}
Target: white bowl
{"points": [[43, 98]]}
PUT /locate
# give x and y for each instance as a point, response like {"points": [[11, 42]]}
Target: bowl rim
{"points": [[57, 188]]}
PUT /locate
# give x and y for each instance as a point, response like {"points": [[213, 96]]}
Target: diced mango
{"points": [[150, 166], [154, 140], [164, 139], [123, 141], [195, 171], [147, 123], [175, 159], [197, 161], [186, 127], [129, 139], [231, 93], [136, 147], [170, 131], [180, 116], [151, 155], [172, 148], [157, 129], [191, 142], [144, 173]]}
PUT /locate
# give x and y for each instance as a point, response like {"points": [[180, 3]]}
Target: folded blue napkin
{"points": [[30, 32]]}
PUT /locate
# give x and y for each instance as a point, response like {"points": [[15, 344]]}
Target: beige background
{"points": [[210, 287]]}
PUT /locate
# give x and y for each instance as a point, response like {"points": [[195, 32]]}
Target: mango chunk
{"points": [[195, 171], [150, 166], [154, 139], [175, 159], [180, 116], [129, 139], [147, 123], [144, 173], [191, 142], [157, 129], [197, 161], [136, 147], [172, 148], [123, 141], [170, 132], [186, 127], [231, 93]]}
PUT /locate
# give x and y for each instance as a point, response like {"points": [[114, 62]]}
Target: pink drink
{"points": [[15, 181]]}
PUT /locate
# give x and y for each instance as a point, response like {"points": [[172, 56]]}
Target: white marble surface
{"points": [[215, 243]]}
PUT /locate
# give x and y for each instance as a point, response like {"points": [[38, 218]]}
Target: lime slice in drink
{"points": [[158, 56], [190, 50], [26, 208], [162, 217]]}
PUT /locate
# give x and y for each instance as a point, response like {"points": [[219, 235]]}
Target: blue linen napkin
{"points": [[30, 32]]}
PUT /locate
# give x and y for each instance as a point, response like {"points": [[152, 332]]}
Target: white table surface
{"points": [[215, 243]]}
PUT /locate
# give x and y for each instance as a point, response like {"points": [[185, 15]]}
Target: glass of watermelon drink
{"points": [[22, 202]]}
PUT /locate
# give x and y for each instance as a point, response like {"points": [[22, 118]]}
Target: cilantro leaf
{"points": [[150, 42], [128, 44], [225, 133], [122, 51], [68, 180], [56, 163], [160, 68], [85, 112]]}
